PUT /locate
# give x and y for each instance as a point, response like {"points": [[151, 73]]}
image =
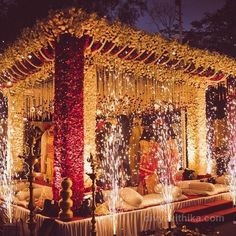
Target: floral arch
{"points": [[73, 47]]}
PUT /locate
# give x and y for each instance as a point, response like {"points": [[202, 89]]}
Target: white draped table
{"points": [[129, 223]]}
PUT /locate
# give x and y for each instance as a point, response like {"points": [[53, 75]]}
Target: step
{"points": [[220, 202], [209, 207], [213, 217]]}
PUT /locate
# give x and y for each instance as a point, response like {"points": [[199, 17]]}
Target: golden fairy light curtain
{"points": [[119, 91], [28, 101], [38, 101], [125, 92]]}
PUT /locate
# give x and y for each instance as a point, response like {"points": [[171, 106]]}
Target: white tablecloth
{"points": [[128, 223]]}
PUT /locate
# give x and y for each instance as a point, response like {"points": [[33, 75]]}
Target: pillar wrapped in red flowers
{"points": [[68, 116]]}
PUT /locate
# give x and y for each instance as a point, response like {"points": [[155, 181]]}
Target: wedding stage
{"points": [[130, 223], [90, 106]]}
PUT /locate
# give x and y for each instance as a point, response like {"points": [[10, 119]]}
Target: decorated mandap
{"points": [[144, 107]]}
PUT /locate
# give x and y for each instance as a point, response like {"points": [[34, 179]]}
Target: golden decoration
{"points": [[77, 22]]}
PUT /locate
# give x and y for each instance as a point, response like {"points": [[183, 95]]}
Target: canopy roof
{"points": [[35, 49]]}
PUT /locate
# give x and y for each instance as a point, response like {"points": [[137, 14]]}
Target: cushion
{"points": [[43, 191], [221, 179], [189, 191], [19, 186], [102, 209], [124, 206], [221, 188], [202, 186], [23, 195], [181, 198], [22, 203], [152, 199], [131, 197], [176, 192], [183, 184]]}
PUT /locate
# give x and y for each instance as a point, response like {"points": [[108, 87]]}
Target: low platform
{"points": [[128, 223]]}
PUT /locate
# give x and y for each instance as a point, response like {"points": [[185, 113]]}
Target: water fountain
{"points": [[167, 168], [113, 141], [232, 149]]}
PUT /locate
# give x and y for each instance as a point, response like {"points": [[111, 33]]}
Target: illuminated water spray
{"points": [[210, 141], [112, 144], [5, 160], [8, 184], [167, 168], [210, 137], [232, 178], [164, 172], [113, 88], [232, 149]]}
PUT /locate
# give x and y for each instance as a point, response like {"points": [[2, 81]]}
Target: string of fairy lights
{"points": [[119, 93]]}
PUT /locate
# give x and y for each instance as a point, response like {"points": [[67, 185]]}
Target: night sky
{"points": [[192, 10]]}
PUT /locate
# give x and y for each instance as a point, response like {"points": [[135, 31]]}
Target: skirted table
{"points": [[129, 223]]}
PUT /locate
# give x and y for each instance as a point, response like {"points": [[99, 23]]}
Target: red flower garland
{"points": [[68, 116]]}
